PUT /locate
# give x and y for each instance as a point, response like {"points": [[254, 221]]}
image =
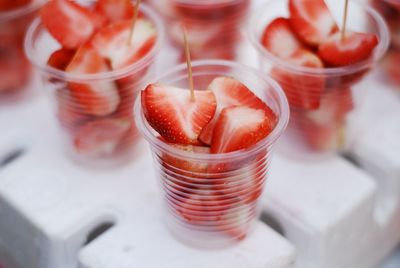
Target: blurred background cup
{"points": [[15, 69], [321, 100], [213, 26], [96, 128], [390, 10], [211, 200]]}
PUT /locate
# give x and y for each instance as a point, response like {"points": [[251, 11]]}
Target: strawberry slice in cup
{"points": [[84, 51], [306, 54], [211, 152]]}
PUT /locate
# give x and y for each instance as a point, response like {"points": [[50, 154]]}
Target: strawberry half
{"points": [[97, 97], [60, 59], [354, 48], [240, 127], [279, 38], [302, 90], [112, 42], [231, 92], [69, 23], [171, 112], [311, 21], [101, 137], [115, 10]]}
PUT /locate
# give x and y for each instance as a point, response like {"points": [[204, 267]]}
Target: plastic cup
{"points": [[390, 10], [215, 194], [106, 134], [213, 27], [321, 100], [15, 69]]}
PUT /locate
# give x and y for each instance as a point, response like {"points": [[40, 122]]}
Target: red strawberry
{"points": [[15, 70], [115, 10], [97, 97], [8, 5], [60, 59], [240, 127], [69, 23], [391, 65], [112, 42], [280, 39], [68, 111], [302, 90], [231, 92], [185, 167], [172, 113], [101, 137], [354, 48], [311, 20]]}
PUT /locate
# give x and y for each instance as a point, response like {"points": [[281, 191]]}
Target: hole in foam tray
{"points": [[98, 231], [352, 160], [269, 220], [11, 157]]}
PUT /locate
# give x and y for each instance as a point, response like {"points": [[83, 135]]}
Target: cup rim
{"points": [[380, 50], [19, 12], [112, 75], [207, 2], [283, 119]]}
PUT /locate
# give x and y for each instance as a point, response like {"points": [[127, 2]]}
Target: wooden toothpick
{"points": [[343, 34], [189, 65], [135, 16]]}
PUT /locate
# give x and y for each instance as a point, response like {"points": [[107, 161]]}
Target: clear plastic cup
{"points": [[215, 194], [321, 100], [213, 27], [390, 10], [15, 69], [95, 131]]}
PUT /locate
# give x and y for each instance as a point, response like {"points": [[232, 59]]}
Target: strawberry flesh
{"points": [[8, 5], [61, 58], [279, 38], [311, 21], [354, 48], [240, 127], [172, 113], [112, 42], [115, 10], [97, 97], [230, 92], [69, 23]]}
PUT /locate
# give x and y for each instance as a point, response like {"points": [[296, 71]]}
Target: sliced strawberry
{"points": [[68, 110], [240, 127], [101, 137], [279, 38], [60, 59], [8, 5], [115, 10], [231, 92], [311, 21], [112, 42], [391, 65], [172, 113], [97, 97], [69, 23], [183, 166], [354, 48], [302, 90]]}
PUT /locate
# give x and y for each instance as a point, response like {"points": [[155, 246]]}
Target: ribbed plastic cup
{"points": [[96, 131], [15, 69], [321, 100], [216, 204], [213, 27]]}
